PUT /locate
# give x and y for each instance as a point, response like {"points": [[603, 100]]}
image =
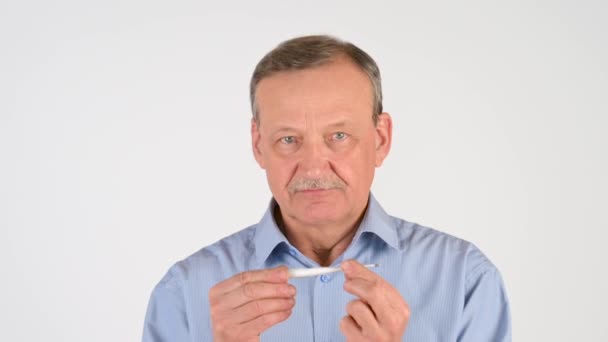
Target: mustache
{"points": [[302, 184]]}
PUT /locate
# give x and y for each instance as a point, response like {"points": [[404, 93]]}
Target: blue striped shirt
{"points": [[454, 292]]}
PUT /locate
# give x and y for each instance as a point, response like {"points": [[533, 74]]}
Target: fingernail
{"points": [[291, 290], [346, 266], [347, 286], [282, 273]]}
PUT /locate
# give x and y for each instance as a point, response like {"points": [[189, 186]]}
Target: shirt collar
{"points": [[375, 221], [267, 235]]}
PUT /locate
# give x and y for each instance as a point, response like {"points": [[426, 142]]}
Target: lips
{"points": [[313, 190]]}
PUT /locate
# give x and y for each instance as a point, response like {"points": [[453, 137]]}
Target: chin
{"points": [[318, 207], [319, 213]]}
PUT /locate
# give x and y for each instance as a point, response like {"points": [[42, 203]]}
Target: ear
{"points": [[384, 136], [255, 142]]}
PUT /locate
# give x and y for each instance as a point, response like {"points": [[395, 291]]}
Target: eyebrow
{"points": [[337, 124], [285, 128]]}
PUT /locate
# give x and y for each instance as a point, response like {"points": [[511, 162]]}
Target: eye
{"points": [[339, 136], [290, 139]]}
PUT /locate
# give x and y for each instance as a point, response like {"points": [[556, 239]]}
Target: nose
{"points": [[314, 161]]}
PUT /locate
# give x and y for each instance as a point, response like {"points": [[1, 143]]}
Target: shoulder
{"points": [[430, 243], [212, 263]]}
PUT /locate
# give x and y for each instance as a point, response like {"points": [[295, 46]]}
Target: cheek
{"points": [[279, 172], [356, 167]]}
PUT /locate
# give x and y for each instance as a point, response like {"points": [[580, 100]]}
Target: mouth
{"points": [[314, 192]]}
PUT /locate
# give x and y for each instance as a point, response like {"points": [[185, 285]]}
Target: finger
{"points": [[363, 315], [382, 299], [253, 291], [260, 324], [271, 275], [257, 308], [354, 269], [350, 329]]}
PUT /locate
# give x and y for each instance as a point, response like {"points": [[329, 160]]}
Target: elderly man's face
{"points": [[317, 141]]}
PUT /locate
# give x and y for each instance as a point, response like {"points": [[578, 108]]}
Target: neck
{"points": [[321, 243]]}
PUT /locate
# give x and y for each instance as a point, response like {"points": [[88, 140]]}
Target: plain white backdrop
{"points": [[124, 146]]}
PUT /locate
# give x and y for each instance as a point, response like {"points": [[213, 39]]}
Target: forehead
{"points": [[336, 90]]}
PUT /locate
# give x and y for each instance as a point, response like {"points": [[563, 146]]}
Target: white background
{"points": [[124, 146]]}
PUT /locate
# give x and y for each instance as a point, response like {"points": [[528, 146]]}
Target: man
{"points": [[319, 131]]}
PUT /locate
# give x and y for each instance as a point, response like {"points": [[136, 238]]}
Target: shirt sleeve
{"points": [[166, 317], [486, 314]]}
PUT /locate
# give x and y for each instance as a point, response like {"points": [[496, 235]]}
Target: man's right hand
{"points": [[244, 306]]}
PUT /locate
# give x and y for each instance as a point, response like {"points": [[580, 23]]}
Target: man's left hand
{"points": [[379, 314]]}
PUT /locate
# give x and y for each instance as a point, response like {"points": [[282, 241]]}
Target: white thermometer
{"points": [[315, 271]]}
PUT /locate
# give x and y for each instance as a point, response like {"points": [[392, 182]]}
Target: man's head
{"points": [[318, 128], [310, 51]]}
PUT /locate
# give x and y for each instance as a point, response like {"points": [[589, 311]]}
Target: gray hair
{"points": [[311, 51]]}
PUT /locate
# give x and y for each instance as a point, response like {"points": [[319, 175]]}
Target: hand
{"points": [[380, 313], [245, 305]]}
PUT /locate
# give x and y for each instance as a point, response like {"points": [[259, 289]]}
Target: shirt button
{"points": [[292, 251], [325, 278]]}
